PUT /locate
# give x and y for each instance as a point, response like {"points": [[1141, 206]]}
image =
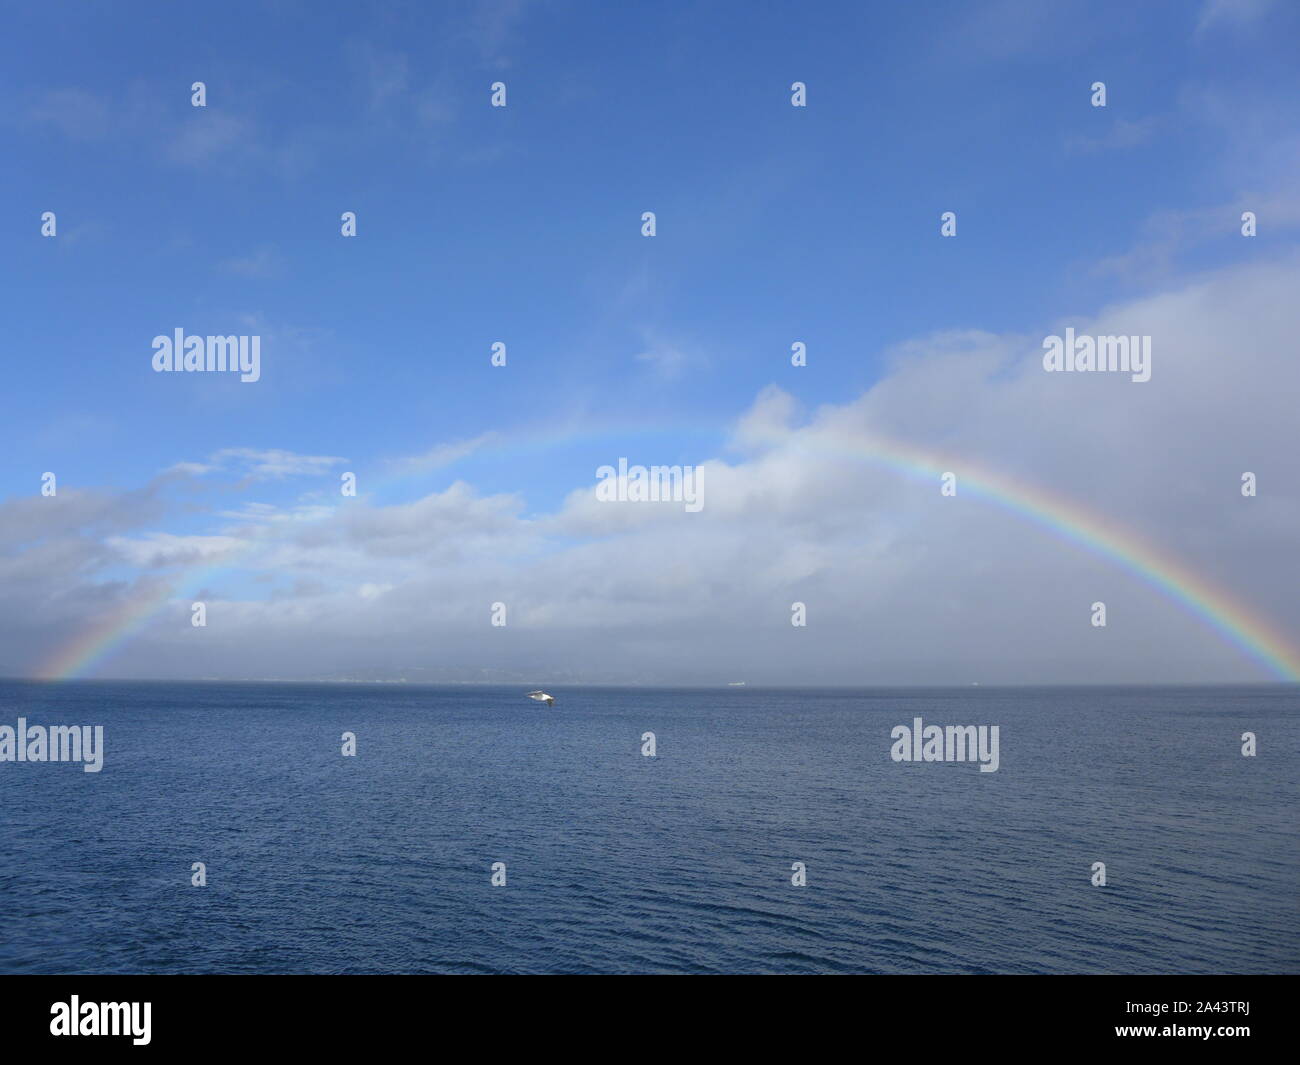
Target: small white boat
{"points": [[542, 697]]}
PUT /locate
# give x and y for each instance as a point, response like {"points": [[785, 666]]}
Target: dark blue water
{"points": [[318, 863]]}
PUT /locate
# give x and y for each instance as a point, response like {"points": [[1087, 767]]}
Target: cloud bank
{"points": [[902, 585]]}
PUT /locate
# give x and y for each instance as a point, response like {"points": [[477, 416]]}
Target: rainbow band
{"points": [[1230, 619]]}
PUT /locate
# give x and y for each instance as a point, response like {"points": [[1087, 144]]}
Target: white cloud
{"points": [[207, 134], [902, 584], [262, 262], [76, 113], [274, 463], [443, 455], [1122, 133], [1233, 13], [665, 359], [158, 550]]}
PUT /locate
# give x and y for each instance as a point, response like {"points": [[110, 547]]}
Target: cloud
{"points": [[207, 134], [160, 550], [405, 105], [1122, 134], [76, 113], [385, 74], [821, 506], [443, 455], [1168, 236], [137, 119], [1001, 30], [263, 262], [666, 360], [770, 417], [253, 511], [1232, 13], [490, 26], [274, 463]]}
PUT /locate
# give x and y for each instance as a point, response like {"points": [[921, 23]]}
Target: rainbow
{"points": [[116, 629], [1233, 620], [1065, 519]]}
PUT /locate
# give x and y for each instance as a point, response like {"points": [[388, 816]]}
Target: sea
{"points": [[769, 831]]}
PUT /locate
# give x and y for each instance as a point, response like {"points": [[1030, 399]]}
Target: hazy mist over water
{"points": [[618, 862]]}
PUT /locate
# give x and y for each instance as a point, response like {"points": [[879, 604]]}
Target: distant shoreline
{"points": [[632, 686]]}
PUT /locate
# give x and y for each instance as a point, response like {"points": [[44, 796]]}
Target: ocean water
{"points": [[615, 862]]}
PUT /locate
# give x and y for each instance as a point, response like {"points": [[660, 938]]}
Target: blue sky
{"points": [[522, 224]]}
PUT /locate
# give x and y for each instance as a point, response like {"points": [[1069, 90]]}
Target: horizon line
{"points": [[956, 686]]}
